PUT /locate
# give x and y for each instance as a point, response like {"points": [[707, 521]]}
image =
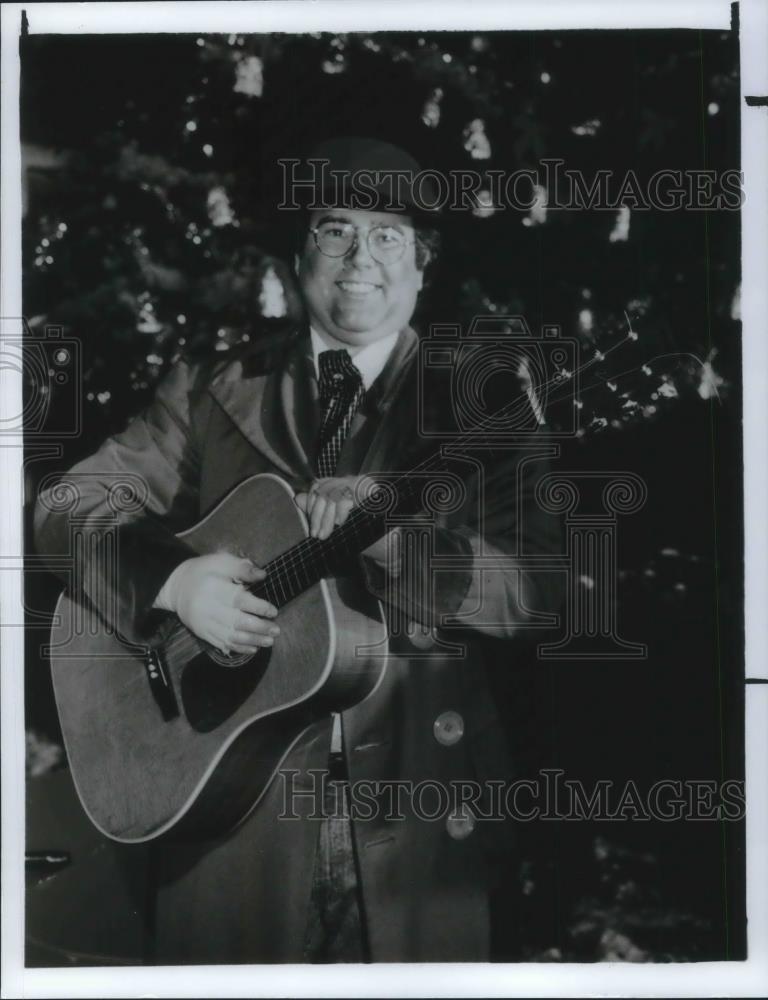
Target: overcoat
{"points": [[426, 869]]}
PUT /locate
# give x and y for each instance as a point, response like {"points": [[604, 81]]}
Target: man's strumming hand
{"points": [[209, 595]]}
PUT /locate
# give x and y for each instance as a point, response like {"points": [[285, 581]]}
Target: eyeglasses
{"points": [[386, 244]]}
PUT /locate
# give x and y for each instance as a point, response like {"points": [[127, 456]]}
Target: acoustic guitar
{"points": [[179, 739]]}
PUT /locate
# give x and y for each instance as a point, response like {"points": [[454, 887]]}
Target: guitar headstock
{"points": [[618, 384]]}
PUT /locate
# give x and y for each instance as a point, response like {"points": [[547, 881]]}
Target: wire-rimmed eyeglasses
{"points": [[386, 243]]}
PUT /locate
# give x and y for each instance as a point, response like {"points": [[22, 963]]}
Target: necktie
{"points": [[341, 392]]}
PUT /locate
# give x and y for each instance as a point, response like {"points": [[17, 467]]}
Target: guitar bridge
{"points": [[160, 685]]}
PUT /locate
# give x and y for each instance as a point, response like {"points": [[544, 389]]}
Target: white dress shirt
{"points": [[369, 360]]}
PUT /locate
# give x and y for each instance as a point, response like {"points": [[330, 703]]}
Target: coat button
{"points": [[460, 825], [448, 728]]}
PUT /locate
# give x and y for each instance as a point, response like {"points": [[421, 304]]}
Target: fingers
{"points": [[327, 504], [248, 649], [250, 625], [328, 520], [253, 605], [316, 514], [342, 510], [306, 501], [246, 635], [335, 514], [236, 648], [232, 567], [249, 640], [248, 572]]}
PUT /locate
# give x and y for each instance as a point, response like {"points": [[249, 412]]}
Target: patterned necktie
{"points": [[341, 392]]}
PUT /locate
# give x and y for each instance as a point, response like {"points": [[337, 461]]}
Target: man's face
{"points": [[355, 298]]}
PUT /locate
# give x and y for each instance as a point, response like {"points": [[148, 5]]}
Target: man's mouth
{"points": [[356, 288]]}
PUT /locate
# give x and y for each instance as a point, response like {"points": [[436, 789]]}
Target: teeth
{"points": [[357, 286]]}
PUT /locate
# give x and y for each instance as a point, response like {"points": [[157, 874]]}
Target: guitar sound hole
{"points": [[211, 693], [231, 660]]}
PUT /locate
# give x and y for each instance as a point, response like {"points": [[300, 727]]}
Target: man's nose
{"points": [[360, 255]]}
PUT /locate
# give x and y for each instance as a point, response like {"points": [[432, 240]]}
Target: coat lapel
{"points": [[301, 406], [381, 397], [267, 406]]}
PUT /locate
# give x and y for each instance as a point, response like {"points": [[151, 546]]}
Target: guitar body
{"points": [[141, 775]]}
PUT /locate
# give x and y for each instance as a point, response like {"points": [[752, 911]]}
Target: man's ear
{"points": [[296, 262]]}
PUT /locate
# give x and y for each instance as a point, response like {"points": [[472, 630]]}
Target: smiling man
{"points": [[363, 285], [306, 878]]}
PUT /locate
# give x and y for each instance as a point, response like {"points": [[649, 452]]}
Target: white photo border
{"points": [[747, 978]]}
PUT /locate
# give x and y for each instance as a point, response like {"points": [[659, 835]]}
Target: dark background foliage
{"points": [[150, 228]]}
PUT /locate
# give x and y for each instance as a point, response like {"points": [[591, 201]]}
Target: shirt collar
{"points": [[369, 360]]}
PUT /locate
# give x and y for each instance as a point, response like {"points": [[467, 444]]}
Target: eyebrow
{"points": [[348, 222], [332, 218]]}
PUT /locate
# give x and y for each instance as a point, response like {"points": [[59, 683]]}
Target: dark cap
{"points": [[365, 174]]}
